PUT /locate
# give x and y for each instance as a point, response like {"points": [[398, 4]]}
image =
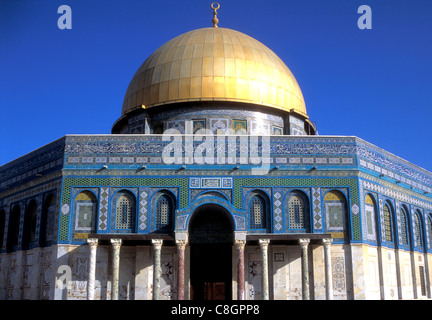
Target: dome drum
{"points": [[215, 117]]}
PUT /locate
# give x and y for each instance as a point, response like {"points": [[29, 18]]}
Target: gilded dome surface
{"points": [[214, 64]]}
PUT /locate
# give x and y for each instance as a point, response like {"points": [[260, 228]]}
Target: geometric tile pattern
{"points": [[194, 182], [63, 228], [103, 209], [398, 219], [355, 209], [402, 196], [210, 183], [300, 182], [143, 201], [381, 213], [255, 277], [277, 210], [414, 229], [316, 208], [180, 186], [338, 266], [428, 231], [180, 191]]}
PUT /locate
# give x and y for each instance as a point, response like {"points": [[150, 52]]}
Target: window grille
{"points": [[257, 213], [296, 213], [388, 224], [163, 213], [429, 228], [124, 212], [418, 235], [403, 224]]}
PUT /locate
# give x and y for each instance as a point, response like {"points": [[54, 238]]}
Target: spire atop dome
{"points": [[215, 6]]}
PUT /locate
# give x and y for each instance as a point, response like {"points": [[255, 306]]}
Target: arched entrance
{"points": [[211, 239]]}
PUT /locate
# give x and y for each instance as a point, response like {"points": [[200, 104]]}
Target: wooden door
{"points": [[214, 291]]}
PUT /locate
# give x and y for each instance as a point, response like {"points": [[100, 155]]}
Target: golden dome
{"points": [[214, 64]]}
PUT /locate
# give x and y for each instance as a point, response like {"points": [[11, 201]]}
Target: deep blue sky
{"points": [[375, 84]]}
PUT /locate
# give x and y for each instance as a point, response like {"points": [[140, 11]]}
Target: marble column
{"points": [[265, 275], [240, 244], [157, 246], [181, 245], [116, 243], [93, 243], [304, 244], [328, 268]]}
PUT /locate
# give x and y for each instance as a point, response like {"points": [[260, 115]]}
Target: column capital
{"points": [[116, 242], [304, 242], [157, 243], [181, 243], [264, 242], [240, 244], [92, 242], [327, 241]]}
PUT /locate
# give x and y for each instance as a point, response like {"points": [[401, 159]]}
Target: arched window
{"points": [[370, 210], [404, 226], [429, 229], [125, 209], [388, 223], [13, 229], [48, 220], [335, 213], [164, 214], [418, 230], [297, 212], [29, 232], [85, 208], [257, 212], [2, 227]]}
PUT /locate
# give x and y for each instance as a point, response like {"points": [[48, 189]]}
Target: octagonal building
{"points": [[214, 185]]}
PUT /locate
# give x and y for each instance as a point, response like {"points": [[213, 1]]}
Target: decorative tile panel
{"points": [[316, 208], [118, 183], [381, 213], [277, 210], [254, 277], [210, 183], [143, 204], [103, 209]]}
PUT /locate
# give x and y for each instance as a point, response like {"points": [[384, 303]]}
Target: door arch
{"points": [[211, 232]]}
